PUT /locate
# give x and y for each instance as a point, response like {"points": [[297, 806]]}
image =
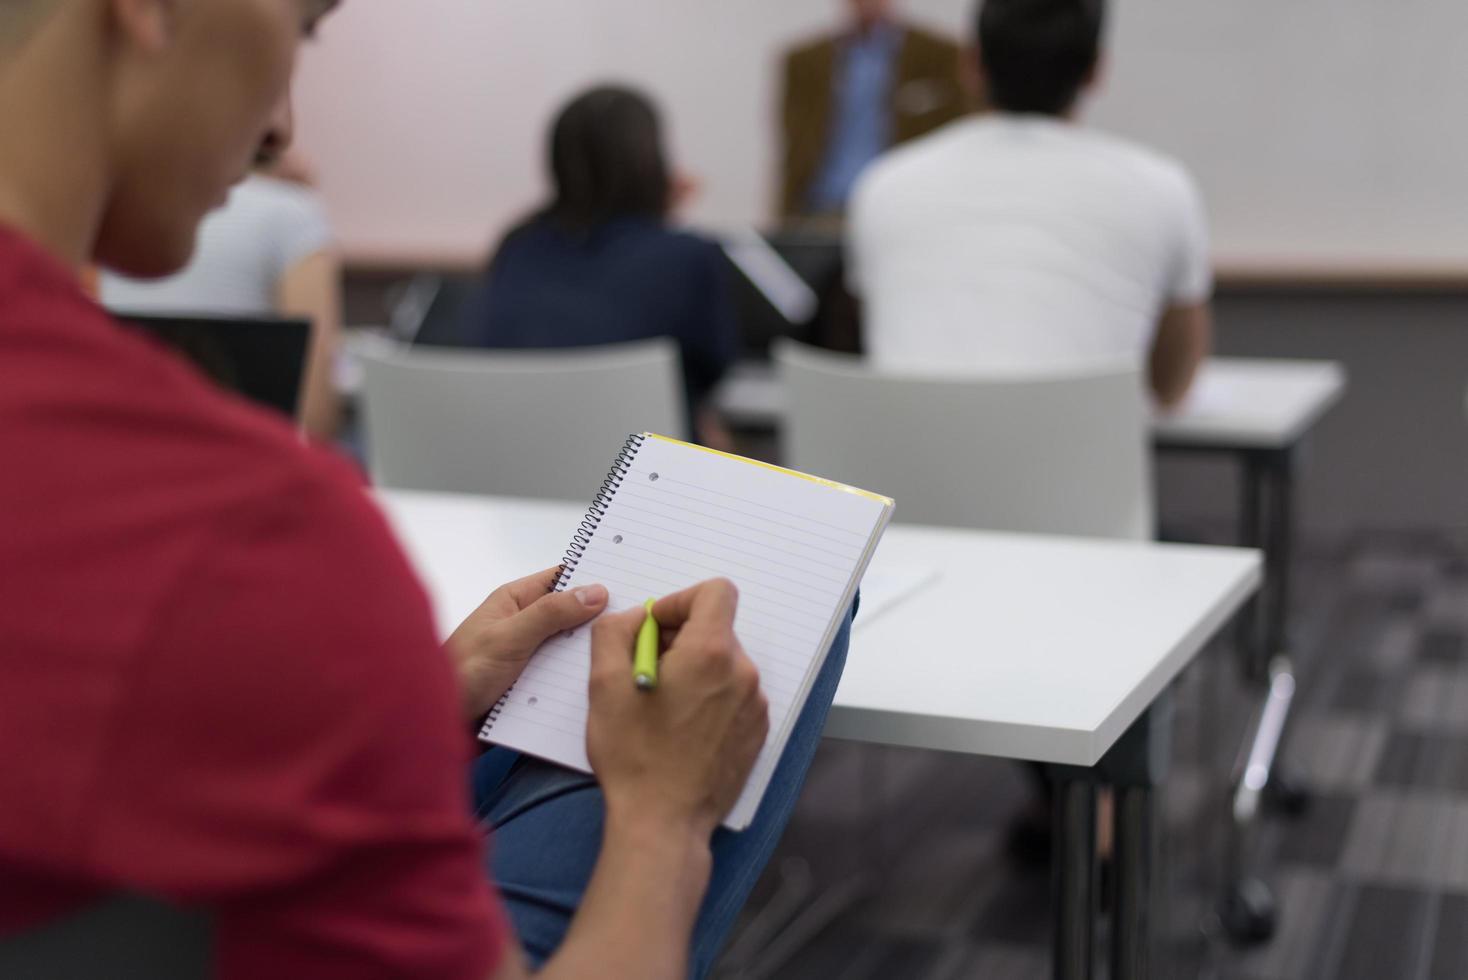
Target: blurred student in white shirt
{"points": [[267, 252], [1020, 239]]}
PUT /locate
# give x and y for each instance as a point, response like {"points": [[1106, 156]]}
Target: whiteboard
{"points": [[1322, 131]]}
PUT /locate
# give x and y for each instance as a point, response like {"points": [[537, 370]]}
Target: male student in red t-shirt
{"points": [[219, 685]]}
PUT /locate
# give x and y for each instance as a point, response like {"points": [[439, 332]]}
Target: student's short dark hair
{"points": [[1038, 54], [606, 158]]}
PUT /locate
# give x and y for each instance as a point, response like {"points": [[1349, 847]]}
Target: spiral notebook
{"points": [[670, 515]]}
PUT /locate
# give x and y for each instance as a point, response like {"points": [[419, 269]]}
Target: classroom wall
{"points": [[1323, 131], [1393, 455], [427, 119]]}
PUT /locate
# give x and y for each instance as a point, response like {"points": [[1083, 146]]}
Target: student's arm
{"points": [[712, 431], [1184, 334], [671, 765], [290, 756], [1184, 338], [636, 919], [311, 289]]}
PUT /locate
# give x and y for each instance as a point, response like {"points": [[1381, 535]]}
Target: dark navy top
{"points": [[630, 279]]}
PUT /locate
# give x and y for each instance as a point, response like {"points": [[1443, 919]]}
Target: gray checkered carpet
{"points": [[898, 860]]}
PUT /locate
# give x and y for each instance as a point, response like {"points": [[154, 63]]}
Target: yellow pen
{"points": [[645, 662]]}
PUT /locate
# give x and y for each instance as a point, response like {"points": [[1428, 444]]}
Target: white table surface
{"points": [[1253, 404], [1034, 648], [1236, 402]]}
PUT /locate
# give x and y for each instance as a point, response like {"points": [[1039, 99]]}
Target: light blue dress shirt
{"points": [[862, 122]]}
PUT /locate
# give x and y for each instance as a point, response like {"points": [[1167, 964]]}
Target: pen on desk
{"points": [[645, 662]]}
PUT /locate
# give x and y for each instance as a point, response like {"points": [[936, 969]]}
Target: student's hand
{"points": [[491, 648], [683, 190], [677, 756], [712, 432], [291, 166]]}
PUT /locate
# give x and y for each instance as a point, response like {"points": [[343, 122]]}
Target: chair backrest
{"points": [[516, 423], [121, 937], [1062, 453]]}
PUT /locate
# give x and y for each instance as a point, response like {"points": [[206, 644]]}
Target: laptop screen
{"points": [[262, 358]]}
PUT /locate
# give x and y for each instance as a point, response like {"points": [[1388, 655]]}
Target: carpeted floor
{"points": [[908, 848]]}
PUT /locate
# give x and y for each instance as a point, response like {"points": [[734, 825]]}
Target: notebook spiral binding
{"points": [[581, 541]]}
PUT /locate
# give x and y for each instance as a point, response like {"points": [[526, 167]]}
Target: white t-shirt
{"points": [[1012, 243], [243, 251]]}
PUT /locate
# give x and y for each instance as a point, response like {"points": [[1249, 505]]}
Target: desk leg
{"points": [[1136, 861], [1074, 876], [1249, 911], [1252, 535], [1287, 794], [1280, 550]]}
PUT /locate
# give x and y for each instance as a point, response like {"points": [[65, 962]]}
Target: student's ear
{"points": [[971, 75], [1097, 77], [148, 24]]}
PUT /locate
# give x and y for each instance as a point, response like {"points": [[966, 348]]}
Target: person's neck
{"points": [[1070, 116], [867, 28], [53, 180]]}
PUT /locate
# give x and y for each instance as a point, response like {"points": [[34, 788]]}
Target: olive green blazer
{"points": [[928, 92]]}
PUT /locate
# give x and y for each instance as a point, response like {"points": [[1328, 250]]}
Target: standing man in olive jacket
{"points": [[850, 97]]}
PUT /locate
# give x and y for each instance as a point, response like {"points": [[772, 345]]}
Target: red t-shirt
{"points": [[219, 683]]}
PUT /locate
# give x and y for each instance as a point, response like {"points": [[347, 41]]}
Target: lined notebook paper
{"points": [[671, 515]]}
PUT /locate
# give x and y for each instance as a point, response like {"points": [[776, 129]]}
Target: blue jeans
{"points": [[547, 825]]}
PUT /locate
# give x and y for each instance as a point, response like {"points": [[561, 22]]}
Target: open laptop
{"points": [[785, 292], [430, 310], [262, 358]]}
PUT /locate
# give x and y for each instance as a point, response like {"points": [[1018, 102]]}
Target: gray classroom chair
{"points": [[119, 937], [1065, 452], [534, 423]]}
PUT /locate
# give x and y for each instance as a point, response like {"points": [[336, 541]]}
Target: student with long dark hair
{"points": [[599, 263]]}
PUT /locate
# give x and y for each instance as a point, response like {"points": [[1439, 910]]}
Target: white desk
{"points": [[1034, 648], [1031, 648], [1042, 649], [1259, 413], [1241, 403]]}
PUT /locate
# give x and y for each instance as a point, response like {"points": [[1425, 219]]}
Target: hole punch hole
{"points": [[534, 702], [617, 539], [652, 477]]}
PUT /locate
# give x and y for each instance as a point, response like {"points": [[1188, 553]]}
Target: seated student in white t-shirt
{"points": [[1020, 239], [268, 252]]}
